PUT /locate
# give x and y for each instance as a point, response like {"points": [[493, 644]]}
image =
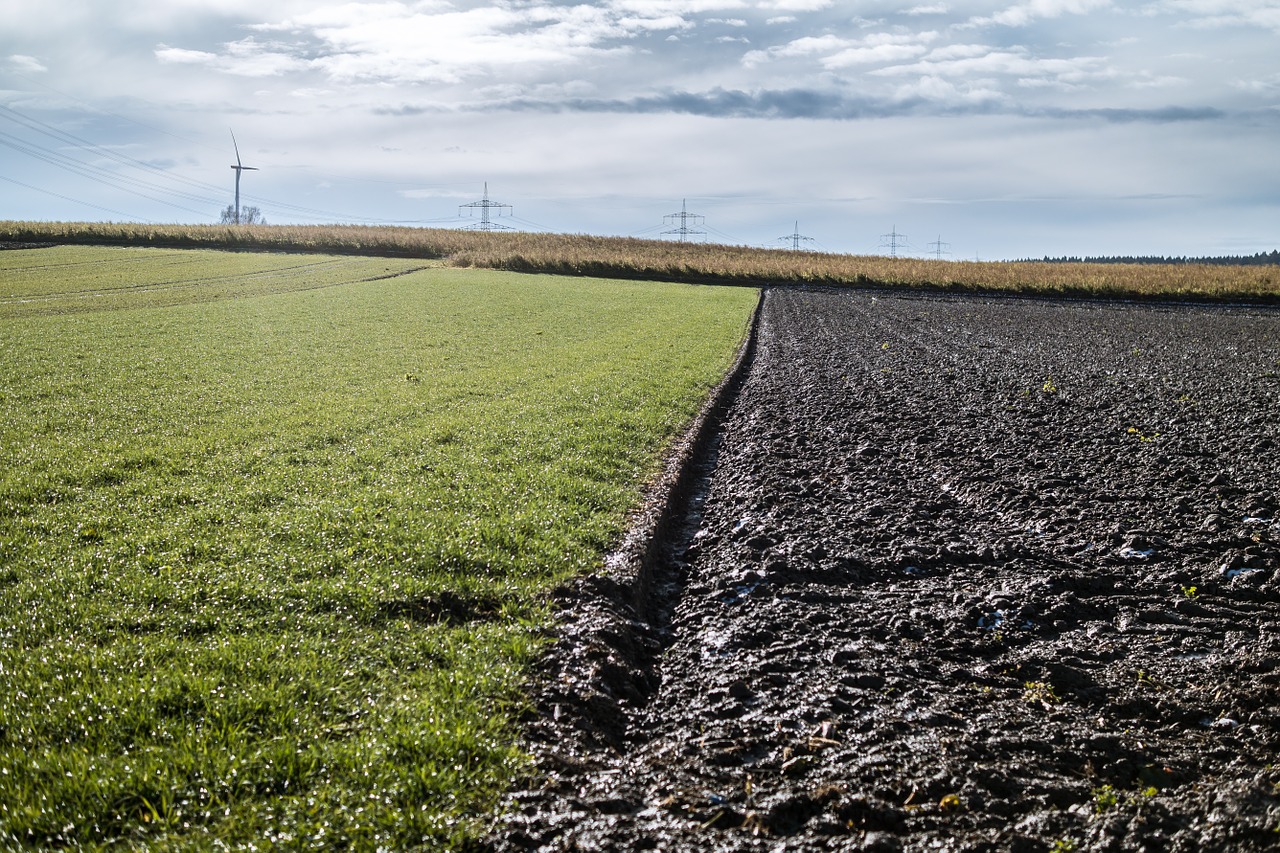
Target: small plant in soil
{"points": [[1105, 799], [1040, 691], [1138, 434]]}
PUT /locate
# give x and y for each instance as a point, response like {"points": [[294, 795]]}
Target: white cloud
{"points": [[883, 48], [935, 9], [396, 42], [806, 46], [178, 55], [23, 64], [247, 58], [1260, 86], [661, 8], [794, 5], [958, 51], [931, 88], [1026, 71], [1166, 81], [1022, 14], [836, 52], [1215, 14]]}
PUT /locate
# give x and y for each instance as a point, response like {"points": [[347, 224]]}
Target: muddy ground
{"points": [[968, 574]]}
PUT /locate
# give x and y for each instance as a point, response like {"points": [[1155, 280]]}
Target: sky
{"points": [[956, 129]]}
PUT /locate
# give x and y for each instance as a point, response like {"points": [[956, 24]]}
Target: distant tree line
{"points": [[1260, 259], [248, 216]]}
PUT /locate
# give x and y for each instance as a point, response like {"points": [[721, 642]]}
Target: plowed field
{"points": [[966, 574]]}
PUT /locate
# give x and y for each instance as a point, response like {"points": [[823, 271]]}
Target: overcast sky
{"points": [[969, 129]]}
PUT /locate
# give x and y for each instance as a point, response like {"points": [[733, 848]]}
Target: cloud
{"points": [[836, 52], [22, 64], [400, 43], [246, 58], [960, 61], [929, 96], [182, 56], [1022, 14], [879, 49], [1259, 86], [1158, 115], [1215, 14], [722, 103], [938, 90], [664, 8], [795, 5], [807, 46]]}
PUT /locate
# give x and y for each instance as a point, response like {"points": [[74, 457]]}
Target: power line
{"points": [[97, 174], [68, 198], [77, 142], [147, 179]]}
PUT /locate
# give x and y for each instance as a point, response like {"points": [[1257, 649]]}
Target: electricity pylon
{"points": [[895, 240], [484, 206], [684, 217], [238, 169], [797, 238], [939, 248]]}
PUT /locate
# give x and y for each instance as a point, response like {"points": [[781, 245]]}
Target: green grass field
{"points": [[276, 531]]}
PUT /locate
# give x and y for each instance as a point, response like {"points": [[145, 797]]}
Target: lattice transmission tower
{"points": [[685, 218], [484, 206], [795, 238], [938, 248], [894, 241]]}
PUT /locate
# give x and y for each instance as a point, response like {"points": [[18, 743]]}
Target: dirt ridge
{"points": [[616, 623]]}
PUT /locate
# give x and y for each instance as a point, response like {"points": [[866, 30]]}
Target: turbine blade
{"points": [[237, 147]]}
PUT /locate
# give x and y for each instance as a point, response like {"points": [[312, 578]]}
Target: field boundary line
{"points": [[621, 614]]}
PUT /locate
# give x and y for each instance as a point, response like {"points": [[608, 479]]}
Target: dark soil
{"points": [[968, 574]]}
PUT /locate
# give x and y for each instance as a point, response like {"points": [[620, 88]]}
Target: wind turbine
{"points": [[238, 169]]}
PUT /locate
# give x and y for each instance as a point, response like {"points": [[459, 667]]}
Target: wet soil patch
{"points": [[970, 574]]}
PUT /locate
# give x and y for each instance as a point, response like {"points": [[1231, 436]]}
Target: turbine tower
{"points": [[238, 167], [796, 238], [484, 206], [684, 217]]}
